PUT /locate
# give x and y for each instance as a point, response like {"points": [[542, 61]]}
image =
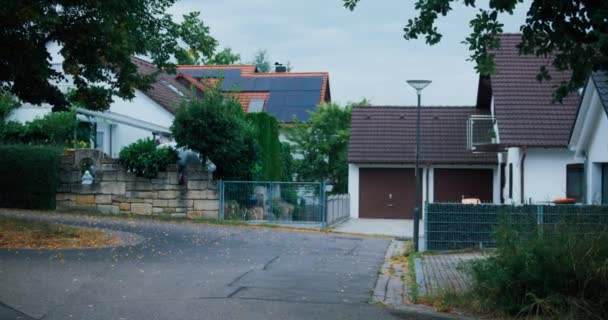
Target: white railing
{"points": [[338, 208], [481, 130]]}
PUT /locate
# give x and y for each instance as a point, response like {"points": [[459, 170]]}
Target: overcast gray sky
{"points": [[363, 51]]}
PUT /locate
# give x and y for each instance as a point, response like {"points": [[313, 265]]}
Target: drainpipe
{"points": [[521, 174]]}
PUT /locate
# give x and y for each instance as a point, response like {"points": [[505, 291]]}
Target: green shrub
{"points": [[29, 176], [146, 159], [54, 128], [266, 132], [555, 271]]}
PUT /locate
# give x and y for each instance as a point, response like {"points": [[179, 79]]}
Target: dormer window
{"points": [[256, 105]]}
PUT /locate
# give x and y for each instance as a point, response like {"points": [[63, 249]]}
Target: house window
{"points": [[605, 183], [99, 141], [575, 181], [256, 105]]}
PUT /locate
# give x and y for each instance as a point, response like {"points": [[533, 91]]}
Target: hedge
{"points": [[29, 176]]}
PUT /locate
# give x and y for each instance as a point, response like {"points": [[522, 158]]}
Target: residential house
{"points": [[286, 95], [151, 112], [531, 130], [512, 147], [589, 142], [381, 155]]}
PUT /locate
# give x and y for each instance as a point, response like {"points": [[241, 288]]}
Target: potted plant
{"points": [[76, 145]]}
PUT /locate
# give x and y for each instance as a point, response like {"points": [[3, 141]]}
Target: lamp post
{"points": [[418, 85]]}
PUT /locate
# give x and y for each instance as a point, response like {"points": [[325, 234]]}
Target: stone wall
{"points": [[190, 193]]}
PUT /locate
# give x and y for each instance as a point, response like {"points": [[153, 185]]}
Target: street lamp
{"points": [[418, 85]]}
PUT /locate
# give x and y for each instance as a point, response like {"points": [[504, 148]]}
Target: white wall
{"points": [[353, 189], [142, 108], [597, 153], [545, 174], [513, 163]]}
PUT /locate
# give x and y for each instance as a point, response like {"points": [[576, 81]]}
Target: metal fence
{"points": [[272, 202], [451, 226], [338, 208]]}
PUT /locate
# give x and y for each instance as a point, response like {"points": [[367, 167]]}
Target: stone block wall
{"points": [[117, 191]]}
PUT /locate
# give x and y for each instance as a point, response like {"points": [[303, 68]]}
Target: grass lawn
{"points": [[19, 234]]}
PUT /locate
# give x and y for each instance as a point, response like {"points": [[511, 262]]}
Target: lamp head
{"points": [[419, 84]]}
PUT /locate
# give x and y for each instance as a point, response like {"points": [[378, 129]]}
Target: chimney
{"points": [[279, 68]]}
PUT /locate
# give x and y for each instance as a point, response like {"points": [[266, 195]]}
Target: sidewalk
{"points": [[401, 228], [438, 273]]}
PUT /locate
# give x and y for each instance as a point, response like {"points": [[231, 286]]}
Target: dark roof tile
{"points": [[388, 135], [524, 107], [600, 79]]}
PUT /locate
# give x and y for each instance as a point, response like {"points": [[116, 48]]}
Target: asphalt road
{"points": [[195, 271]]}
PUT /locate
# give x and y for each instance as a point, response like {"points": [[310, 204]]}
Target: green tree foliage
{"points": [[225, 56], [216, 128], [55, 128], [146, 159], [266, 132], [98, 39], [322, 144], [575, 31], [29, 176], [262, 61], [287, 162], [7, 105]]}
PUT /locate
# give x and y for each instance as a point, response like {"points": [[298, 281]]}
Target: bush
{"points": [[54, 128], [555, 271], [146, 159], [266, 132], [29, 176]]}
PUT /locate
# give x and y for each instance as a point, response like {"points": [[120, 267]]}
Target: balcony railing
{"points": [[481, 131]]}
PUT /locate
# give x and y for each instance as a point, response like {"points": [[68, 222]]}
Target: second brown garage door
{"points": [[386, 193], [452, 184]]}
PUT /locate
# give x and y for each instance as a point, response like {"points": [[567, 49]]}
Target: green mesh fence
{"points": [[260, 201], [450, 226]]}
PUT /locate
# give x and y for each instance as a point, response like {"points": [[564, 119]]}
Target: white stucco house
{"points": [[149, 114], [531, 130], [589, 140], [511, 147]]}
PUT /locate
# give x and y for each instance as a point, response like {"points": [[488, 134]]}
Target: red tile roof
{"points": [[523, 106], [388, 135]]}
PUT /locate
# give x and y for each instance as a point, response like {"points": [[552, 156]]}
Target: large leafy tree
{"points": [[262, 61], [321, 146], [226, 56], [216, 128], [574, 31], [97, 40]]}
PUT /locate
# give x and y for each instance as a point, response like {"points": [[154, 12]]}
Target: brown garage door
{"points": [[386, 193], [452, 184]]}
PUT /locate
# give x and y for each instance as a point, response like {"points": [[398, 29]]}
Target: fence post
{"points": [[221, 215], [323, 204], [539, 215], [426, 225]]}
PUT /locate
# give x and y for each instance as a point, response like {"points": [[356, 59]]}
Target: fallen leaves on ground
{"points": [[19, 234]]}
